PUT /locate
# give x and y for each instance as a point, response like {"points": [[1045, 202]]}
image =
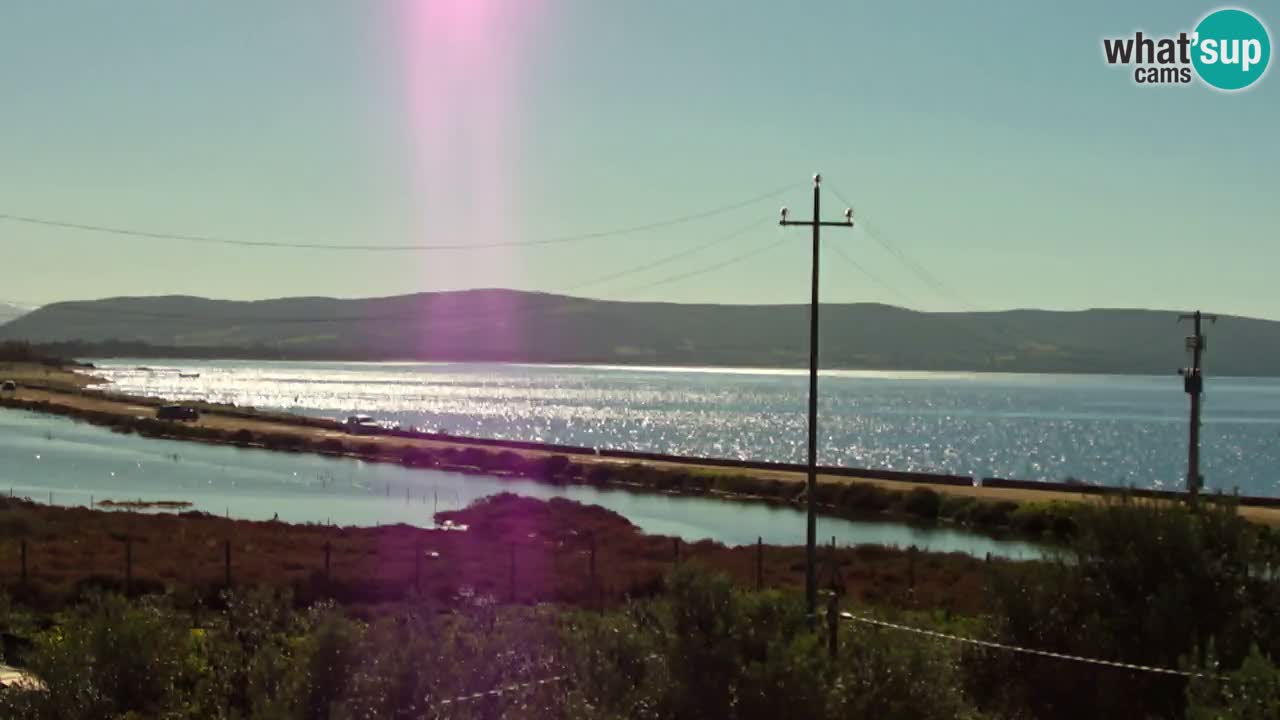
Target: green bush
{"points": [[709, 650], [922, 503], [1249, 693], [1054, 518], [864, 497], [553, 467], [1141, 582], [109, 658], [599, 474]]}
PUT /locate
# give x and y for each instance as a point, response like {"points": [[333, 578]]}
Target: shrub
{"points": [[509, 461], [745, 485], [1141, 582], [599, 474], [955, 506], [708, 650], [553, 466], [282, 441], [1250, 693], [985, 513], [107, 659], [473, 457], [864, 497], [1056, 518], [413, 457], [922, 503], [242, 437]]}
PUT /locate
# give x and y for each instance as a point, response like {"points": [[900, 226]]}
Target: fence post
{"points": [[226, 563], [24, 561], [759, 563], [833, 626], [128, 565]]}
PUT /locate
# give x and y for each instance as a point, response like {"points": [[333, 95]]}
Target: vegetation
{"points": [[704, 650], [71, 551], [16, 351], [1138, 582]]}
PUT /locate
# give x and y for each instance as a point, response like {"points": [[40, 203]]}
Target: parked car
{"points": [[362, 425], [177, 412], [8, 386]]}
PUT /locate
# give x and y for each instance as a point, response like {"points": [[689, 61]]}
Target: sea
{"points": [[1121, 430]]}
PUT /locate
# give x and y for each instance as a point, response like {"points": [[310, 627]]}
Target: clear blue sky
{"points": [[987, 140]]}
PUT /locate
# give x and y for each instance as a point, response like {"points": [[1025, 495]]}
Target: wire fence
{"points": [[1024, 650], [516, 687], [862, 619]]}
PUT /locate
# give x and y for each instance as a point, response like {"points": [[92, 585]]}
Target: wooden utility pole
{"points": [[1193, 383], [811, 533]]}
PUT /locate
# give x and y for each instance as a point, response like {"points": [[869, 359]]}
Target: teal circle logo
{"points": [[1231, 49]]}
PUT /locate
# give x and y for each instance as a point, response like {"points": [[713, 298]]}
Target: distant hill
{"points": [[11, 312], [510, 326]]}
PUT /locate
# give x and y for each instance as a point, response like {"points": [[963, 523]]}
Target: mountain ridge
{"points": [[517, 326]]}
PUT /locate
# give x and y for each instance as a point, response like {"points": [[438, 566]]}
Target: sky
{"points": [[987, 143]]}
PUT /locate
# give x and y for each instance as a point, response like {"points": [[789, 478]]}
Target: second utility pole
{"points": [[1193, 383], [811, 535]]}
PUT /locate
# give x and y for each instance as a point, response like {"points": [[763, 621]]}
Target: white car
{"points": [[362, 425]]}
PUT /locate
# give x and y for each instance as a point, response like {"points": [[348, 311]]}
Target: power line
{"points": [[1011, 337], [918, 269], [869, 276], [669, 258], [425, 313], [707, 269], [213, 240]]}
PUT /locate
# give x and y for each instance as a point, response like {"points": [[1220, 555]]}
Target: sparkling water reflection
{"points": [[1122, 430]]}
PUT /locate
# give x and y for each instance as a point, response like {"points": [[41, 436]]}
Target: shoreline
{"points": [[994, 506], [675, 366]]}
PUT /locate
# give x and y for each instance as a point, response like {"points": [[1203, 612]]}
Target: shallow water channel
{"points": [[51, 458]]}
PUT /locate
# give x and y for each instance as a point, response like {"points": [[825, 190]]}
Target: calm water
{"points": [[1123, 430], [78, 463]]}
